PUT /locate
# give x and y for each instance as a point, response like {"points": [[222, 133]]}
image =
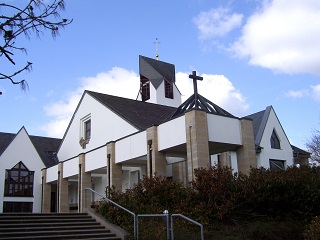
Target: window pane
{"points": [[19, 181]]}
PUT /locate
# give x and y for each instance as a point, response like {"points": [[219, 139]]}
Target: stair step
{"points": [[56, 228], [27, 226], [44, 224], [105, 236]]}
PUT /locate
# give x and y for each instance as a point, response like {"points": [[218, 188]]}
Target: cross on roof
{"points": [[194, 77]]}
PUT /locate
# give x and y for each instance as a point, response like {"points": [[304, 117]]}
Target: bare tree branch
{"points": [[35, 17]]}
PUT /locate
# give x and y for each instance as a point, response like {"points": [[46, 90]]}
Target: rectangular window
{"points": [[168, 89], [87, 129], [277, 165], [17, 207], [144, 88]]}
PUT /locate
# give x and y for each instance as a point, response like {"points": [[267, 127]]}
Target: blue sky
{"points": [[251, 53]]}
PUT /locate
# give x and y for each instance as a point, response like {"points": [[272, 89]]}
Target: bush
{"points": [[312, 231], [276, 202]]}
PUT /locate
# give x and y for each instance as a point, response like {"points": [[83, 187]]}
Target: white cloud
{"points": [[283, 36], [117, 81], [216, 23], [216, 88], [297, 93], [313, 92], [124, 83]]}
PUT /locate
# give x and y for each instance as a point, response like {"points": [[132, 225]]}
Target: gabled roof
{"points": [[259, 121], [156, 71], [47, 149], [45, 146], [5, 140], [298, 152], [139, 114]]}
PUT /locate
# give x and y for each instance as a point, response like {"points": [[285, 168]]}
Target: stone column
{"points": [[156, 158], [46, 193], [63, 191], [84, 182], [179, 171], [197, 141], [246, 154], [115, 170]]}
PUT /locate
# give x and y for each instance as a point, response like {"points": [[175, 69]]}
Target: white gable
{"points": [[106, 126], [22, 149], [267, 153]]}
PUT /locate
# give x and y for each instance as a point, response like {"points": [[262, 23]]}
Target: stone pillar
{"points": [[46, 193], [246, 154], [114, 170], [63, 191], [84, 181], [157, 159], [197, 141], [179, 171]]}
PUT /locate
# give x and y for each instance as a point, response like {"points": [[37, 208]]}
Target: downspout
{"points": [[58, 192], [109, 171], [79, 189], [150, 157]]}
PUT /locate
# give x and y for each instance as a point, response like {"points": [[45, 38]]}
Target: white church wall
{"points": [[30, 158], [172, 133], [267, 153], [99, 184], [52, 174], [161, 99], [106, 126], [96, 159], [158, 96], [71, 167], [223, 129], [131, 147]]}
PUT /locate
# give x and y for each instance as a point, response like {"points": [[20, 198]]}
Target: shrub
{"points": [[312, 231]]}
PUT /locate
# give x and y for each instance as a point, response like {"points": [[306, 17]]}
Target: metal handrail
{"points": [[119, 206], [190, 220]]}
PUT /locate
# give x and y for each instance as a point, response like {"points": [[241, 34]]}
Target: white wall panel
{"points": [[224, 129], [71, 167], [131, 147], [96, 159], [172, 133]]}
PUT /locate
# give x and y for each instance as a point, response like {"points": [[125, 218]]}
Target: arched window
{"points": [[274, 140], [19, 181]]}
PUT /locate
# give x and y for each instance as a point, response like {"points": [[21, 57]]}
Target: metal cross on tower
{"points": [[195, 88], [157, 45]]}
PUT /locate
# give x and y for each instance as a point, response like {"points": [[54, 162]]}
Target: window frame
{"points": [[23, 186], [168, 89], [274, 165], [275, 142], [84, 140], [144, 88]]}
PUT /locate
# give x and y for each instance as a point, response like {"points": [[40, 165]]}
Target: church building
{"points": [[115, 141]]}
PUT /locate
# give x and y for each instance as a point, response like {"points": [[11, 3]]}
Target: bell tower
{"points": [[157, 82]]}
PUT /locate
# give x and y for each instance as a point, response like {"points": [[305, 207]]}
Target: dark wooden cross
{"points": [[194, 77]]}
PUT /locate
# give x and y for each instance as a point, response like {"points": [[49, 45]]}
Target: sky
{"points": [[251, 54]]}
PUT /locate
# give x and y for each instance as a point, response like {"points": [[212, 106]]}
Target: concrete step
{"points": [[52, 226]]}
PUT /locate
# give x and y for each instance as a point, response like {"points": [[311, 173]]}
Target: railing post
{"points": [[166, 213]]}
